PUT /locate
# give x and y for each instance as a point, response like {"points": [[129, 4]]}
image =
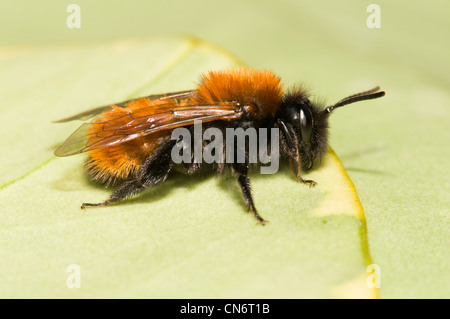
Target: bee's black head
{"points": [[306, 127], [304, 124]]}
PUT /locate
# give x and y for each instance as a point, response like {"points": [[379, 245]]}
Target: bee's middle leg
{"points": [[244, 183]]}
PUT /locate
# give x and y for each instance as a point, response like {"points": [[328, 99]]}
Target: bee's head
{"points": [[305, 127], [304, 124]]}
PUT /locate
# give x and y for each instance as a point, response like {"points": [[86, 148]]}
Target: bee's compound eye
{"points": [[305, 124]]}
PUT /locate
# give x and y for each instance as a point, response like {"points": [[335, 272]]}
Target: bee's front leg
{"points": [[296, 167]]}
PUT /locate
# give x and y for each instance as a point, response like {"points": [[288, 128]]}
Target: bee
{"points": [[129, 144]]}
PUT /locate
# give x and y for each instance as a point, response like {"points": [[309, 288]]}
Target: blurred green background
{"points": [[395, 151]]}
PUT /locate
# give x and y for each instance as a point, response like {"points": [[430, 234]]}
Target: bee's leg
{"points": [[296, 169], [155, 170], [244, 182], [127, 189], [289, 142]]}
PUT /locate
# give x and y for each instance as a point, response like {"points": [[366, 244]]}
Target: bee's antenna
{"points": [[366, 95]]}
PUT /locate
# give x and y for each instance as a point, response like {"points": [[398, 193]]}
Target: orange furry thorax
{"points": [[261, 91]]}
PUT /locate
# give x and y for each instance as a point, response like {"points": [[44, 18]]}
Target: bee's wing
{"points": [[83, 116], [166, 115]]}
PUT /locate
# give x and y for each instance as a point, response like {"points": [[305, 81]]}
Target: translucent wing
{"points": [[131, 123], [83, 116]]}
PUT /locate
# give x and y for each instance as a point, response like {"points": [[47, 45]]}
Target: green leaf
{"points": [[189, 237]]}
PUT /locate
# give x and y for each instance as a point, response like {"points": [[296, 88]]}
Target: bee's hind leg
{"points": [[155, 170], [127, 189]]}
